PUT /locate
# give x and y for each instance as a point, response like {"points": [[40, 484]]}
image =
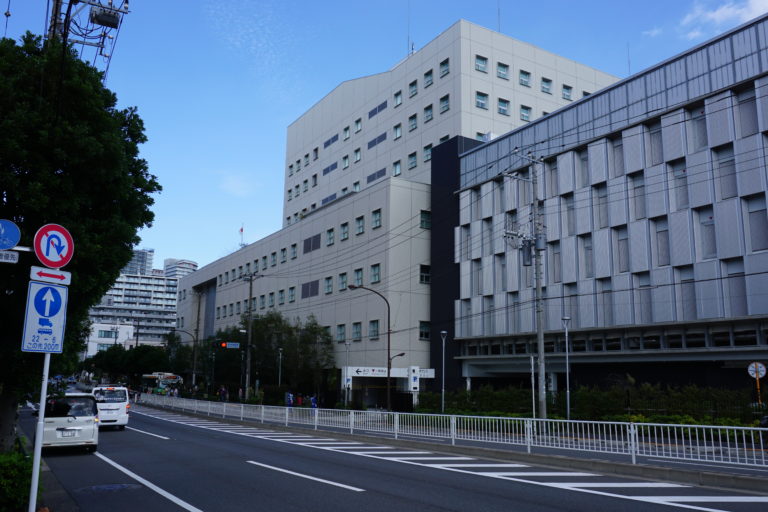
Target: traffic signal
{"points": [[223, 344]]}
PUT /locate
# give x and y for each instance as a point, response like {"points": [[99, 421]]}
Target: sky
{"points": [[217, 82]]}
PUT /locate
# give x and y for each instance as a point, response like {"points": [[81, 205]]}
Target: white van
{"points": [[71, 420], [113, 405]]}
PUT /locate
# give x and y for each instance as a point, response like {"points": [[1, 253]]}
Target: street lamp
{"points": [[346, 376], [389, 341], [443, 335], [566, 321], [194, 353], [279, 367]]}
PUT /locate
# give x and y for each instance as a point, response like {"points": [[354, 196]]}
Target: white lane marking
{"points": [[729, 466], [568, 485], [387, 454], [148, 433], [706, 499], [448, 457], [535, 473], [477, 465], [329, 482], [183, 504]]}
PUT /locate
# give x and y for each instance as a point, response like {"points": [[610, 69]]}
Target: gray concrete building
{"points": [[357, 206], [653, 196]]}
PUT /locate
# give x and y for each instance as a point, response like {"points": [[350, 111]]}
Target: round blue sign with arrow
{"points": [[47, 301], [9, 234]]}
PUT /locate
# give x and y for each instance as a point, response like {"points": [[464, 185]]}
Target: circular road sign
{"points": [[9, 234], [53, 245], [756, 370]]}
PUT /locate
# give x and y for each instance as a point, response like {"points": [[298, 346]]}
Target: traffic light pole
{"points": [[249, 277]]}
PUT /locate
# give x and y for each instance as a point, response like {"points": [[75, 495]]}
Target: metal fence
{"points": [[720, 444]]}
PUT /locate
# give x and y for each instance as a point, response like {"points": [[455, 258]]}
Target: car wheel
{"points": [[91, 449], [121, 427]]}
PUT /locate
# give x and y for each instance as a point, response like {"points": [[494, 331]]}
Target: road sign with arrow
{"points": [[48, 275], [45, 318]]}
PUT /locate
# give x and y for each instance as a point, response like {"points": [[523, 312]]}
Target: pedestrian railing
{"points": [[720, 444]]}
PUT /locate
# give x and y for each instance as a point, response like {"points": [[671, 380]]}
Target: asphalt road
{"points": [[166, 461]]}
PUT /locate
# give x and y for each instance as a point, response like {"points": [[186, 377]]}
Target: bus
{"points": [[160, 382]]}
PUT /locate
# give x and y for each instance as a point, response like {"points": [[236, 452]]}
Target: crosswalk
{"points": [[663, 493]]}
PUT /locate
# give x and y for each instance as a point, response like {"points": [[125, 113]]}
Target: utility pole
{"points": [[249, 277], [533, 244], [196, 337]]}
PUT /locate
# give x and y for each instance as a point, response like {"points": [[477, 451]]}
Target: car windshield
{"points": [[110, 395], [70, 406]]}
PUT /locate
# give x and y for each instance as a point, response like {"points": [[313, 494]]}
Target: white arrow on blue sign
{"points": [[45, 319]]}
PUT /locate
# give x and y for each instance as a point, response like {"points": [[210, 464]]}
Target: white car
{"points": [[113, 405], [71, 420]]}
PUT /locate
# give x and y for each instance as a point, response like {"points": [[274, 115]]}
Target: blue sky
{"points": [[217, 82]]}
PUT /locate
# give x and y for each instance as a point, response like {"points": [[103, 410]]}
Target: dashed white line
{"points": [[147, 433], [607, 485], [329, 482]]}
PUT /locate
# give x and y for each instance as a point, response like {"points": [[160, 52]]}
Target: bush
{"points": [[15, 479]]}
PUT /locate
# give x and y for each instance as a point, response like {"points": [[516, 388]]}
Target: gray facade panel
{"points": [[598, 161], [601, 243], [634, 148], [568, 249], [657, 202], [565, 171], [622, 300], [719, 119], [663, 295], [756, 270], [673, 133], [581, 199], [709, 292], [617, 201], [729, 240], [639, 247], [700, 186], [587, 301], [681, 251], [750, 165]]}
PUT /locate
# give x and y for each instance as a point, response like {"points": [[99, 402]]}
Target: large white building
{"points": [[357, 206]]}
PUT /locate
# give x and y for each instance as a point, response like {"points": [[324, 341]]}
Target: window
{"points": [[358, 155], [344, 231], [360, 225], [376, 219], [273, 259], [424, 330], [412, 123], [546, 85], [445, 103], [638, 195], [329, 237], [698, 130], [687, 292], [503, 107], [707, 232], [397, 131], [375, 273], [428, 79], [656, 151], [346, 132], [356, 186], [396, 168], [617, 146], [358, 125], [294, 251], [622, 244], [680, 183], [314, 180], [758, 222], [373, 329], [425, 219], [481, 63], [306, 160], [588, 256], [481, 100], [398, 98], [305, 186], [263, 263], [525, 78], [726, 172], [341, 332], [290, 194], [412, 160], [570, 214], [283, 255], [556, 262], [292, 294], [271, 299], [413, 88], [553, 180], [315, 153], [345, 161], [328, 285], [290, 170], [502, 70], [428, 114], [525, 113], [281, 297], [445, 67], [358, 276], [357, 331], [747, 113], [583, 168], [737, 286], [424, 274], [662, 241], [342, 281], [444, 138], [567, 92], [427, 154]]}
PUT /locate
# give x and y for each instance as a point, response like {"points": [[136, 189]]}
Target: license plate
{"points": [[67, 433]]}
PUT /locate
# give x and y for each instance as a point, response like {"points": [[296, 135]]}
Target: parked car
{"points": [[113, 405], [71, 420]]}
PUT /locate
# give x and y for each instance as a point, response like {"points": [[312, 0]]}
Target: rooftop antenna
{"points": [[242, 244]]}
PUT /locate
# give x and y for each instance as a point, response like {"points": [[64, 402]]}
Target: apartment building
{"points": [[653, 195], [357, 197]]}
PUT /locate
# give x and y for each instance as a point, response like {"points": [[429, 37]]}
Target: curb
{"points": [[721, 480]]}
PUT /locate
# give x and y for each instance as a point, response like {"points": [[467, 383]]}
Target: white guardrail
{"points": [[733, 445]]}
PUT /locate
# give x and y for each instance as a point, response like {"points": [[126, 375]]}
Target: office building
{"points": [[178, 268]]}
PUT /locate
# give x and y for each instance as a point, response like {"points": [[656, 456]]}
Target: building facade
{"points": [[357, 207], [653, 198], [141, 262], [175, 268]]}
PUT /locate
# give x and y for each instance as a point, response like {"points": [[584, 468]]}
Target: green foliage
{"points": [[67, 155], [119, 365], [15, 479]]}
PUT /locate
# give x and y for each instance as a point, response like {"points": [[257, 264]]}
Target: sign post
{"points": [[757, 371]]}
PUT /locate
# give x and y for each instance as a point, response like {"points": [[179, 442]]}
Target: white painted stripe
{"points": [[536, 473], [721, 466], [477, 465], [628, 485], [435, 458], [323, 442], [388, 454], [306, 476], [706, 499], [337, 443], [148, 433], [183, 504]]}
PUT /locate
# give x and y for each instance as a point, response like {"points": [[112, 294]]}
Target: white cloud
{"points": [[712, 16], [655, 31], [694, 34], [236, 185]]}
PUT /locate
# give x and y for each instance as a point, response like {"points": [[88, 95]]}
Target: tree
{"points": [[69, 156]]}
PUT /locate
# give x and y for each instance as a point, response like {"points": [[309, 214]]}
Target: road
{"points": [[168, 461]]}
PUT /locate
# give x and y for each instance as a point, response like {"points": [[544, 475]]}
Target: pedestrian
{"points": [[313, 400], [299, 400], [289, 399]]}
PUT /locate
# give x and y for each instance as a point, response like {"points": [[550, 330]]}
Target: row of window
{"points": [[524, 77], [503, 106], [373, 331]]}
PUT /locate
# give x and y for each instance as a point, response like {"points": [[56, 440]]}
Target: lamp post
{"points": [[566, 321], [346, 376], [194, 352], [443, 335], [279, 367], [389, 341]]}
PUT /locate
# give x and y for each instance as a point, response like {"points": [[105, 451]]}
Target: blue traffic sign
{"points": [[47, 302], [45, 319], [9, 234]]}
